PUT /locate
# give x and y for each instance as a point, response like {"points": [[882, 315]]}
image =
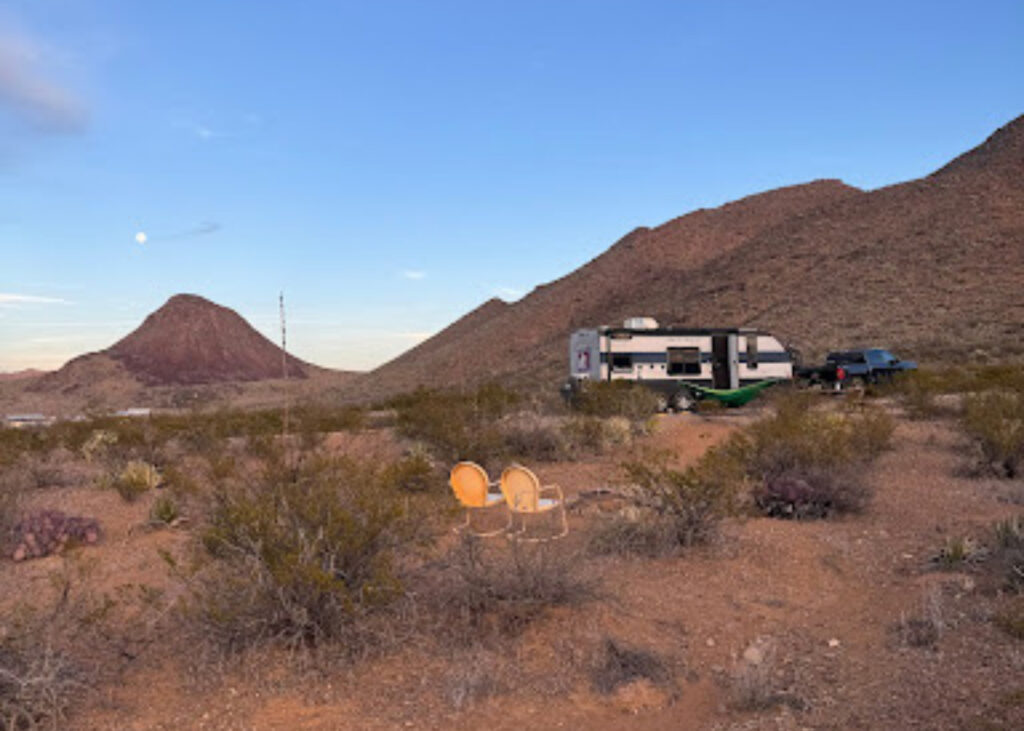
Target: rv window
{"points": [[683, 361], [622, 362], [752, 351]]}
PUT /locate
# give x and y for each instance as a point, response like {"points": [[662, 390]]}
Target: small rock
{"points": [[833, 642], [710, 642]]}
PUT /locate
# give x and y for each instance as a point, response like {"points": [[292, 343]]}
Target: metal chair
{"points": [[525, 497], [471, 486]]}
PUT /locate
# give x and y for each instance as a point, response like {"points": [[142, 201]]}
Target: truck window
{"points": [[683, 361], [752, 351], [622, 362]]}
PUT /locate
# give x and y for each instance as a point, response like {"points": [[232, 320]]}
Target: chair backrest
{"points": [[469, 483], [521, 489]]}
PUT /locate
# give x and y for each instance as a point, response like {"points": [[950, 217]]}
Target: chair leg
{"points": [[467, 526]]}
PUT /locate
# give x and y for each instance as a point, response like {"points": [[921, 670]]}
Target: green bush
{"points": [[301, 552], [995, 423]]}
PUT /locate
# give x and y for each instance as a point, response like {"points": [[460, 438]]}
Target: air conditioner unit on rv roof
{"points": [[640, 323]]}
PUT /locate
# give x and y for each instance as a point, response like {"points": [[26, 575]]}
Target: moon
{"points": [[140, 237]]}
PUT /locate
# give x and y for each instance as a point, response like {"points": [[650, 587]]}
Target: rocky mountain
{"points": [[187, 341], [932, 268]]}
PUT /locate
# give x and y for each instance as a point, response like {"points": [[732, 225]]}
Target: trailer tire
{"points": [[683, 401]]}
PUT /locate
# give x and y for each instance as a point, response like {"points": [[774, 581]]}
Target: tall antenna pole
{"points": [[284, 366]]}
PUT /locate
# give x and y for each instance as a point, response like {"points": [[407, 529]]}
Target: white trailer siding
{"points": [[664, 358]]}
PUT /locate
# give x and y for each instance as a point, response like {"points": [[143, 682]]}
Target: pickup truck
{"points": [[846, 368]]}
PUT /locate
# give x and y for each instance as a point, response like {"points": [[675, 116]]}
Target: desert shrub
{"points": [[995, 423], [457, 425], [679, 508], [301, 552], [598, 435], [620, 665], [497, 590], [924, 627], [812, 492], [1008, 552], [1011, 619], [616, 398], [808, 463], [415, 472], [45, 532], [135, 479], [529, 436], [635, 532], [321, 419], [165, 510], [959, 551], [37, 682]]}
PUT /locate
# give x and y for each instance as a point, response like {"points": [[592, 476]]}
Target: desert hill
{"points": [[187, 341], [930, 267]]}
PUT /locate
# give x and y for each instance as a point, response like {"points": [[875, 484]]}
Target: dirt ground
{"points": [[803, 615]]}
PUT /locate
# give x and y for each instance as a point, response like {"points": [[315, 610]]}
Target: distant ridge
{"points": [[932, 267], [188, 341]]}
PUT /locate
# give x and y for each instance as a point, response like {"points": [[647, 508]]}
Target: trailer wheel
{"points": [[683, 401]]}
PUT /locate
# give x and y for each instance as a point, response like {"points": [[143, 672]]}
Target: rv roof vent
{"points": [[640, 323]]}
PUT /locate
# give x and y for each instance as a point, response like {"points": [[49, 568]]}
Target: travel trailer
{"points": [[667, 359]]}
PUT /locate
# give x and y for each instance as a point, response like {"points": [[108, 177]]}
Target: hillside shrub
{"points": [[457, 424], [616, 398], [496, 590], [301, 552], [37, 682], [621, 664], [674, 508], [995, 423], [809, 463]]}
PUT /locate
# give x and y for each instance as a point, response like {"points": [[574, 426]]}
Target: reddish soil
{"points": [[815, 602]]}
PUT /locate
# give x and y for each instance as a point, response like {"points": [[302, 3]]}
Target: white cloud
{"points": [[509, 293], [198, 129], [8, 298], [413, 274], [28, 93]]}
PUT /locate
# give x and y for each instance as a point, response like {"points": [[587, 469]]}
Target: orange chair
{"points": [[524, 495], [471, 486]]}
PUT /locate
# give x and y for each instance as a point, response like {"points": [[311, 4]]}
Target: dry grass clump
{"points": [[995, 423], [495, 590], [959, 551], [1008, 553], [165, 510], [1011, 619], [620, 665], [922, 628], [300, 553], [37, 683], [135, 479]]}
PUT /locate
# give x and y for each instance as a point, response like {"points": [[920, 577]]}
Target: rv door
{"points": [[585, 355]]}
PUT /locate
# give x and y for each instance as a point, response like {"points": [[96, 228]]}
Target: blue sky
{"points": [[391, 165]]}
